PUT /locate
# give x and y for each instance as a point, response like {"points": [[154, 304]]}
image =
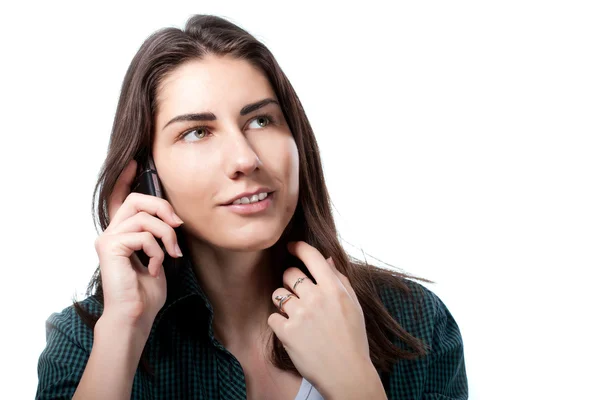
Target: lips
{"points": [[256, 208], [249, 195]]}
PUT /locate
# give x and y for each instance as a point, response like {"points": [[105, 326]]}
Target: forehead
{"points": [[212, 84]]}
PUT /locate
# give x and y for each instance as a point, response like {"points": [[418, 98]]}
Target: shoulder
{"points": [[421, 312], [68, 346], [416, 308], [67, 324]]}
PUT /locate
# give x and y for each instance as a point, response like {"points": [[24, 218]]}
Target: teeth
{"points": [[253, 199]]}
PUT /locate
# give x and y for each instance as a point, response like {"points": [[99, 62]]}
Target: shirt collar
{"points": [[182, 284]]}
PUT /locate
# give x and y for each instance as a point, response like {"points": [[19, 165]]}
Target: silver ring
{"points": [[282, 299], [297, 282]]}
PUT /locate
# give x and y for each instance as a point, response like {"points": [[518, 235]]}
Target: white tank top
{"points": [[308, 392]]}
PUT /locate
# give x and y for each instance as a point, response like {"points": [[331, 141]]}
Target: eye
{"points": [[198, 129], [265, 120], [201, 131]]}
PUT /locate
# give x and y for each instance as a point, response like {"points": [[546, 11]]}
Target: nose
{"points": [[242, 159]]}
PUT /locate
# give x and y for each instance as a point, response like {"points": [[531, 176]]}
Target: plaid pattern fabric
{"points": [[189, 363]]}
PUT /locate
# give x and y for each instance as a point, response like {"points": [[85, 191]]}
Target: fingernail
{"points": [[177, 219], [178, 250]]}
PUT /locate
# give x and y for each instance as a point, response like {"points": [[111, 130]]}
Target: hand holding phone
{"points": [[132, 293]]}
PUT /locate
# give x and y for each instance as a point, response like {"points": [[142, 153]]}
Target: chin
{"points": [[250, 241]]}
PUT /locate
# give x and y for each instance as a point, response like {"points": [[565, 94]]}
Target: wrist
{"points": [[113, 331], [125, 327], [113, 361], [366, 384]]}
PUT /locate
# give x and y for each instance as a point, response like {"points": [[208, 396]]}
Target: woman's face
{"points": [[202, 168]]}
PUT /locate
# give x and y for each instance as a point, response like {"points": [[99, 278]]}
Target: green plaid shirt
{"points": [[189, 363]]}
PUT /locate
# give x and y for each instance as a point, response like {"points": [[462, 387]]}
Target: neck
{"points": [[239, 285]]}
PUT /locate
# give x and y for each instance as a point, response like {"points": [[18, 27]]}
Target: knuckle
{"points": [[108, 246], [103, 242], [301, 313], [160, 257], [98, 242], [286, 330], [314, 301], [287, 273], [143, 214], [167, 207], [132, 197], [147, 236]]}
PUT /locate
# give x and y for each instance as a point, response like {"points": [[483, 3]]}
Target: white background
{"points": [[460, 142]]}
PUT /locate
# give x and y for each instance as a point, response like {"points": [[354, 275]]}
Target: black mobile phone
{"points": [[146, 181]]}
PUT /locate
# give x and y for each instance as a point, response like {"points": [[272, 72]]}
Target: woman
{"points": [[255, 301]]}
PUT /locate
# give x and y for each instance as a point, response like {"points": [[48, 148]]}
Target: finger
{"points": [[290, 278], [276, 322], [134, 241], [314, 261], [137, 264], [122, 188], [289, 304], [152, 205], [144, 222], [344, 279]]}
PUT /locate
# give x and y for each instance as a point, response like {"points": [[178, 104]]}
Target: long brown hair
{"points": [[132, 137]]}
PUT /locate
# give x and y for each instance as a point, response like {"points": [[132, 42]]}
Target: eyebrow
{"points": [[208, 116]]}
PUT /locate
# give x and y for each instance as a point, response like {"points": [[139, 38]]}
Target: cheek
{"points": [[291, 171], [281, 157], [188, 187], [194, 201], [294, 167]]}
